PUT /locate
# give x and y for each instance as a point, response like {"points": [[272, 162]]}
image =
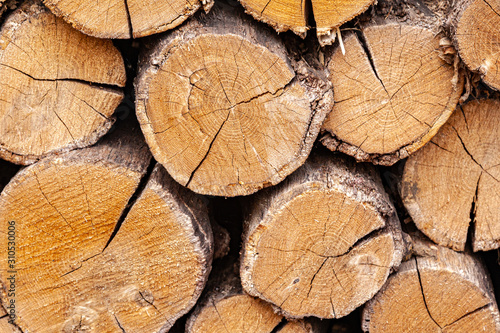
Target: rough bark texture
{"points": [[59, 88], [474, 27], [452, 184], [93, 255], [437, 290], [294, 15], [125, 18], [396, 85], [323, 242], [225, 108]]}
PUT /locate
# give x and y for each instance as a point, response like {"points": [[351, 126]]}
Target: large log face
{"points": [[311, 247], [392, 92], [73, 262], [224, 109], [59, 87], [437, 290], [456, 177]]}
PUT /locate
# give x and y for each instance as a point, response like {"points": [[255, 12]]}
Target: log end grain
{"points": [[393, 92], [59, 87], [312, 248], [452, 184]]}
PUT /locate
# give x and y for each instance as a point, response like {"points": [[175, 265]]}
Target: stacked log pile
{"points": [[214, 166]]}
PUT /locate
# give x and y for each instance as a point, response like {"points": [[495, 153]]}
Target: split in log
{"points": [[125, 18], [59, 88], [438, 290], [5, 325], [323, 242], [454, 181], [224, 108], [474, 26], [76, 260], [292, 15], [392, 92]]}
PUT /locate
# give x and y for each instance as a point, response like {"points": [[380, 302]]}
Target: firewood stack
{"points": [[249, 166]]}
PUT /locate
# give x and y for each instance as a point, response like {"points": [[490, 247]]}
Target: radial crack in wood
{"points": [[125, 18], [226, 112], [438, 290], [474, 25], [460, 168], [71, 264], [59, 87], [392, 92], [293, 15], [323, 242]]}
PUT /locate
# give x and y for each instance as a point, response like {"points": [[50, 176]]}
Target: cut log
{"points": [[310, 325], [293, 15], [125, 18], [59, 88], [226, 308], [454, 181], [438, 290], [393, 92], [5, 325], [474, 26], [224, 109], [323, 242], [75, 259]]}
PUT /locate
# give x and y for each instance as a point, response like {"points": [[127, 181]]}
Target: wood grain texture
{"points": [[452, 184], [474, 27], [125, 18], [393, 92], [437, 290], [59, 87], [224, 108], [323, 242], [92, 261], [293, 15]]}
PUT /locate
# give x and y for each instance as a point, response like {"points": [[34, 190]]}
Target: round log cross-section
{"points": [[84, 256], [474, 25], [125, 18], [225, 112], [58, 87], [439, 290], [453, 183], [392, 92], [323, 242]]}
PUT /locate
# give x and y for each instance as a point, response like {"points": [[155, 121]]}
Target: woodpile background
{"points": [[249, 166]]}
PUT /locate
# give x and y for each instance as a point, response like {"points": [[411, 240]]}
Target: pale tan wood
{"points": [[226, 308], [292, 15], [72, 265], [474, 26], [455, 175], [392, 90], [224, 109], [437, 290], [323, 242], [59, 88], [125, 18]]}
